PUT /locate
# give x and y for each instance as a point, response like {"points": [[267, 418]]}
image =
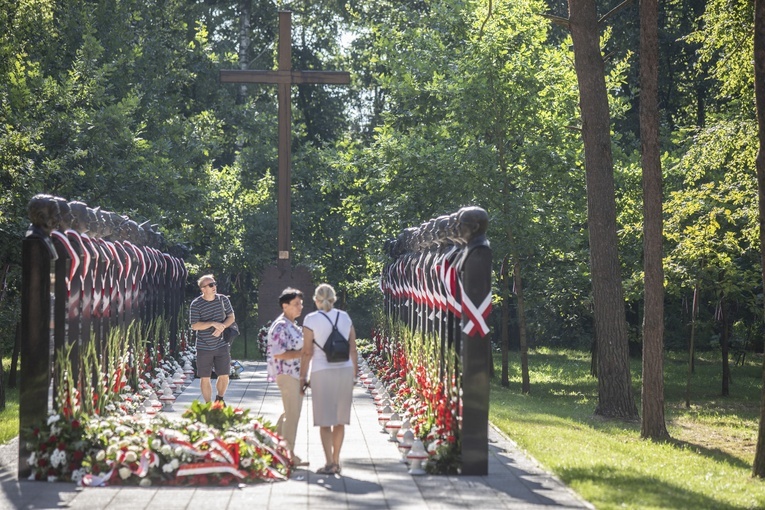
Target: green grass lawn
{"points": [[9, 417], [707, 464], [242, 344]]}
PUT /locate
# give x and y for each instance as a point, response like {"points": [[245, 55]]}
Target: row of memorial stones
{"points": [[423, 285], [109, 271], [439, 282]]}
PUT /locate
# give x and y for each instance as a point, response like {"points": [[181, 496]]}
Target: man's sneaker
{"points": [[218, 398]]}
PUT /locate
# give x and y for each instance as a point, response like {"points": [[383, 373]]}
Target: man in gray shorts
{"points": [[209, 315]]}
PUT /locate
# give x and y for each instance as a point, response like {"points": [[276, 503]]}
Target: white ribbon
{"points": [[475, 318]]}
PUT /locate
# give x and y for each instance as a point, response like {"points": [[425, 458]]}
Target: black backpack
{"points": [[337, 347]]}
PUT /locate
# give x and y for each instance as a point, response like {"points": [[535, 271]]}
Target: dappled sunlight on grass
{"points": [[9, 417], [619, 488], [706, 465]]}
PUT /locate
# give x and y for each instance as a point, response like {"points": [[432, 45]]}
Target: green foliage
{"points": [[482, 106], [712, 223], [215, 414], [726, 46], [118, 104]]}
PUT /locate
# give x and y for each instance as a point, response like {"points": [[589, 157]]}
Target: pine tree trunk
{"points": [[758, 468], [13, 371], [505, 323], [3, 293], [652, 402], [525, 382], [692, 345], [725, 348], [2, 383], [615, 397]]}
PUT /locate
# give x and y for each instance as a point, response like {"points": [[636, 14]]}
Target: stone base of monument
{"points": [[277, 278]]}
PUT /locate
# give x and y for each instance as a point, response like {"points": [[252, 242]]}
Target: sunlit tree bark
{"points": [[652, 402], [615, 398], [758, 468]]}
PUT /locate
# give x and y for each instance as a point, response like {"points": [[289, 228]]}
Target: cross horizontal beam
{"points": [[296, 77]]}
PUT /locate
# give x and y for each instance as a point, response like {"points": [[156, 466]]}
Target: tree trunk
{"points": [[2, 383], [758, 468], [505, 322], [525, 384], [652, 425], [4, 284], [615, 397], [2, 386], [725, 348], [3, 293], [520, 311], [691, 345], [13, 371]]}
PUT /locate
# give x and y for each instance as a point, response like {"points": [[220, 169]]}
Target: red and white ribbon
{"points": [[206, 468], [475, 318], [75, 259]]}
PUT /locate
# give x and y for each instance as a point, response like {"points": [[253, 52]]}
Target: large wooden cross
{"points": [[284, 77]]}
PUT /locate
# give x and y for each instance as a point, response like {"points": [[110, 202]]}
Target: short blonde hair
{"points": [[325, 297], [203, 278]]}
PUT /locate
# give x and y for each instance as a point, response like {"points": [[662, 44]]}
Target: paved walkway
{"points": [[373, 475]]}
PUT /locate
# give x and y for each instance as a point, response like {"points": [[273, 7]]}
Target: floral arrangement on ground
{"points": [[263, 339], [210, 444], [109, 432]]}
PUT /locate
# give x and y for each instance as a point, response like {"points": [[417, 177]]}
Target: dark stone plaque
{"points": [[275, 279]]}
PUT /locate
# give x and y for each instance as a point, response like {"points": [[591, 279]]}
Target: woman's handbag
{"points": [[232, 331]]}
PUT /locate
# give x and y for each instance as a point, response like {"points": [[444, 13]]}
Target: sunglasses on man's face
{"points": [[211, 285]]}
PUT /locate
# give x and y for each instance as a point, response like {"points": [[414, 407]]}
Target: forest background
{"points": [[452, 103]]}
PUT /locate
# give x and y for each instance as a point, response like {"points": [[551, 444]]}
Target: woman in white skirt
{"points": [[331, 383]]}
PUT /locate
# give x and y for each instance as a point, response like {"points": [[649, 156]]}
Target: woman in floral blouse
{"points": [[285, 342]]}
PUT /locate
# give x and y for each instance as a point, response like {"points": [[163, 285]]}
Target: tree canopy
{"points": [[453, 103]]}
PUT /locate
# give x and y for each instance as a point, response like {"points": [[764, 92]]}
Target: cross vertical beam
{"points": [[284, 203], [284, 77]]}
